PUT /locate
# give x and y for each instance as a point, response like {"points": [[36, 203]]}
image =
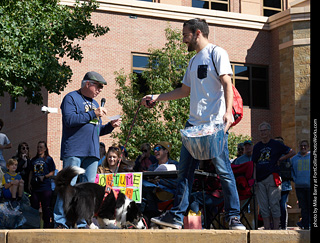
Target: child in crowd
{"points": [[13, 183]]}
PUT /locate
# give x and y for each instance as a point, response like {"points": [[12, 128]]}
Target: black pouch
{"points": [[202, 71]]}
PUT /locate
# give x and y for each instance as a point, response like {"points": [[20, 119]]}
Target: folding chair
{"points": [[210, 189], [243, 174]]}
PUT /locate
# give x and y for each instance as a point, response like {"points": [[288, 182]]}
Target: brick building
{"points": [[268, 43], [270, 56]]}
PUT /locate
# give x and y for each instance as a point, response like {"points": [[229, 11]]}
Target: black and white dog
{"points": [[86, 200]]}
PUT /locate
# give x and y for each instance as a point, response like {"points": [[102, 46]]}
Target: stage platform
{"points": [[152, 236]]}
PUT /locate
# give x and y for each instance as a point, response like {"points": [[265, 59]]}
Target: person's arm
{"points": [[72, 116], [228, 95], [178, 93], [6, 146], [290, 154], [106, 129]]}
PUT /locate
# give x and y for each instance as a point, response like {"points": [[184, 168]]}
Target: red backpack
{"points": [[237, 106]]}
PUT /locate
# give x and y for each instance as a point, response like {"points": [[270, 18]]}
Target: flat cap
{"points": [[94, 76]]}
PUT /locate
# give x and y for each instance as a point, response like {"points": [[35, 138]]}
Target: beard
{"points": [[192, 44]]}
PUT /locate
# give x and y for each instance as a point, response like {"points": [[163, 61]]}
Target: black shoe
{"points": [[166, 220], [235, 224]]}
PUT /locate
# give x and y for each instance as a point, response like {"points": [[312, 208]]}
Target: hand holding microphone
{"points": [[101, 111], [103, 101]]}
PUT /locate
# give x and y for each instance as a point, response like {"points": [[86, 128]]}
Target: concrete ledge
{"points": [[126, 236], [3, 236], [153, 236], [279, 236]]}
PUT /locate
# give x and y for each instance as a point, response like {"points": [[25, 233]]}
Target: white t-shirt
{"points": [[3, 141], [207, 94]]}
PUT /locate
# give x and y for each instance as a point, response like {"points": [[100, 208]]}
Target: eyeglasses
{"points": [[24, 148], [158, 148], [98, 85], [144, 151]]}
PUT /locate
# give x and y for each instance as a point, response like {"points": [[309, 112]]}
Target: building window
{"points": [[271, 7], [139, 64], [222, 5], [13, 104], [250, 80], [151, 1], [252, 83]]}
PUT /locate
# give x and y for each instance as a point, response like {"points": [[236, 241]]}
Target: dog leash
{"points": [[109, 187], [125, 145]]}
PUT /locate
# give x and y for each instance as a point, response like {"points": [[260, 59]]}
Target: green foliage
{"points": [[162, 123], [233, 141], [34, 37]]}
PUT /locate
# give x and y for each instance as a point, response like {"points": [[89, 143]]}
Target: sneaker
{"points": [[166, 220], [15, 205], [235, 224]]}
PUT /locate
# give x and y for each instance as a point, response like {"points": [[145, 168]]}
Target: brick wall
{"points": [[112, 52]]}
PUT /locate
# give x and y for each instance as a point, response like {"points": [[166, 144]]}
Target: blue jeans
{"points": [[303, 195], [90, 164], [187, 166]]}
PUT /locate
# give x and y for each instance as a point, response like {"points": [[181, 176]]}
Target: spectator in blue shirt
{"points": [[247, 153], [301, 178]]}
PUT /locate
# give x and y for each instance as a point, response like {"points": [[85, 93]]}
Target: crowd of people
{"points": [[210, 94], [276, 166]]}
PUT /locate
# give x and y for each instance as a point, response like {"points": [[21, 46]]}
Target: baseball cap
{"points": [[166, 145], [94, 76]]}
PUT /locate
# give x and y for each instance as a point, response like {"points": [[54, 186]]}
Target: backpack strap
{"points": [[215, 68]]}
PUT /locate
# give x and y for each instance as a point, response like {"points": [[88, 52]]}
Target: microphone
{"points": [[103, 101]]}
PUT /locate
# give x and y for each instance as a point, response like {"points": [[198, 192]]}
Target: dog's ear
{"points": [[120, 200], [133, 212]]}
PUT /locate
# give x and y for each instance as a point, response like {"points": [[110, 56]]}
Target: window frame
{"points": [[272, 8], [252, 79], [141, 55], [226, 2], [248, 78]]}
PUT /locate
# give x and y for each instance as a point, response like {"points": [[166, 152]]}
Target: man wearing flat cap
{"points": [[81, 128]]}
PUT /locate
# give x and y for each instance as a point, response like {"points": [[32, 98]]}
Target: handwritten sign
{"points": [[129, 184]]}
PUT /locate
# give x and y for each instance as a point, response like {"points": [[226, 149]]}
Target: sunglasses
{"points": [[98, 85], [114, 148], [24, 148], [144, 151], [158, 148]]}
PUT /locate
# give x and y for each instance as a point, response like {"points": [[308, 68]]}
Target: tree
{"points": [[34, 37], [165, 71]]}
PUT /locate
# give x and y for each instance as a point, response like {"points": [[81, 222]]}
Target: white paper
{"points": [[166, 167], [116, 117]]}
